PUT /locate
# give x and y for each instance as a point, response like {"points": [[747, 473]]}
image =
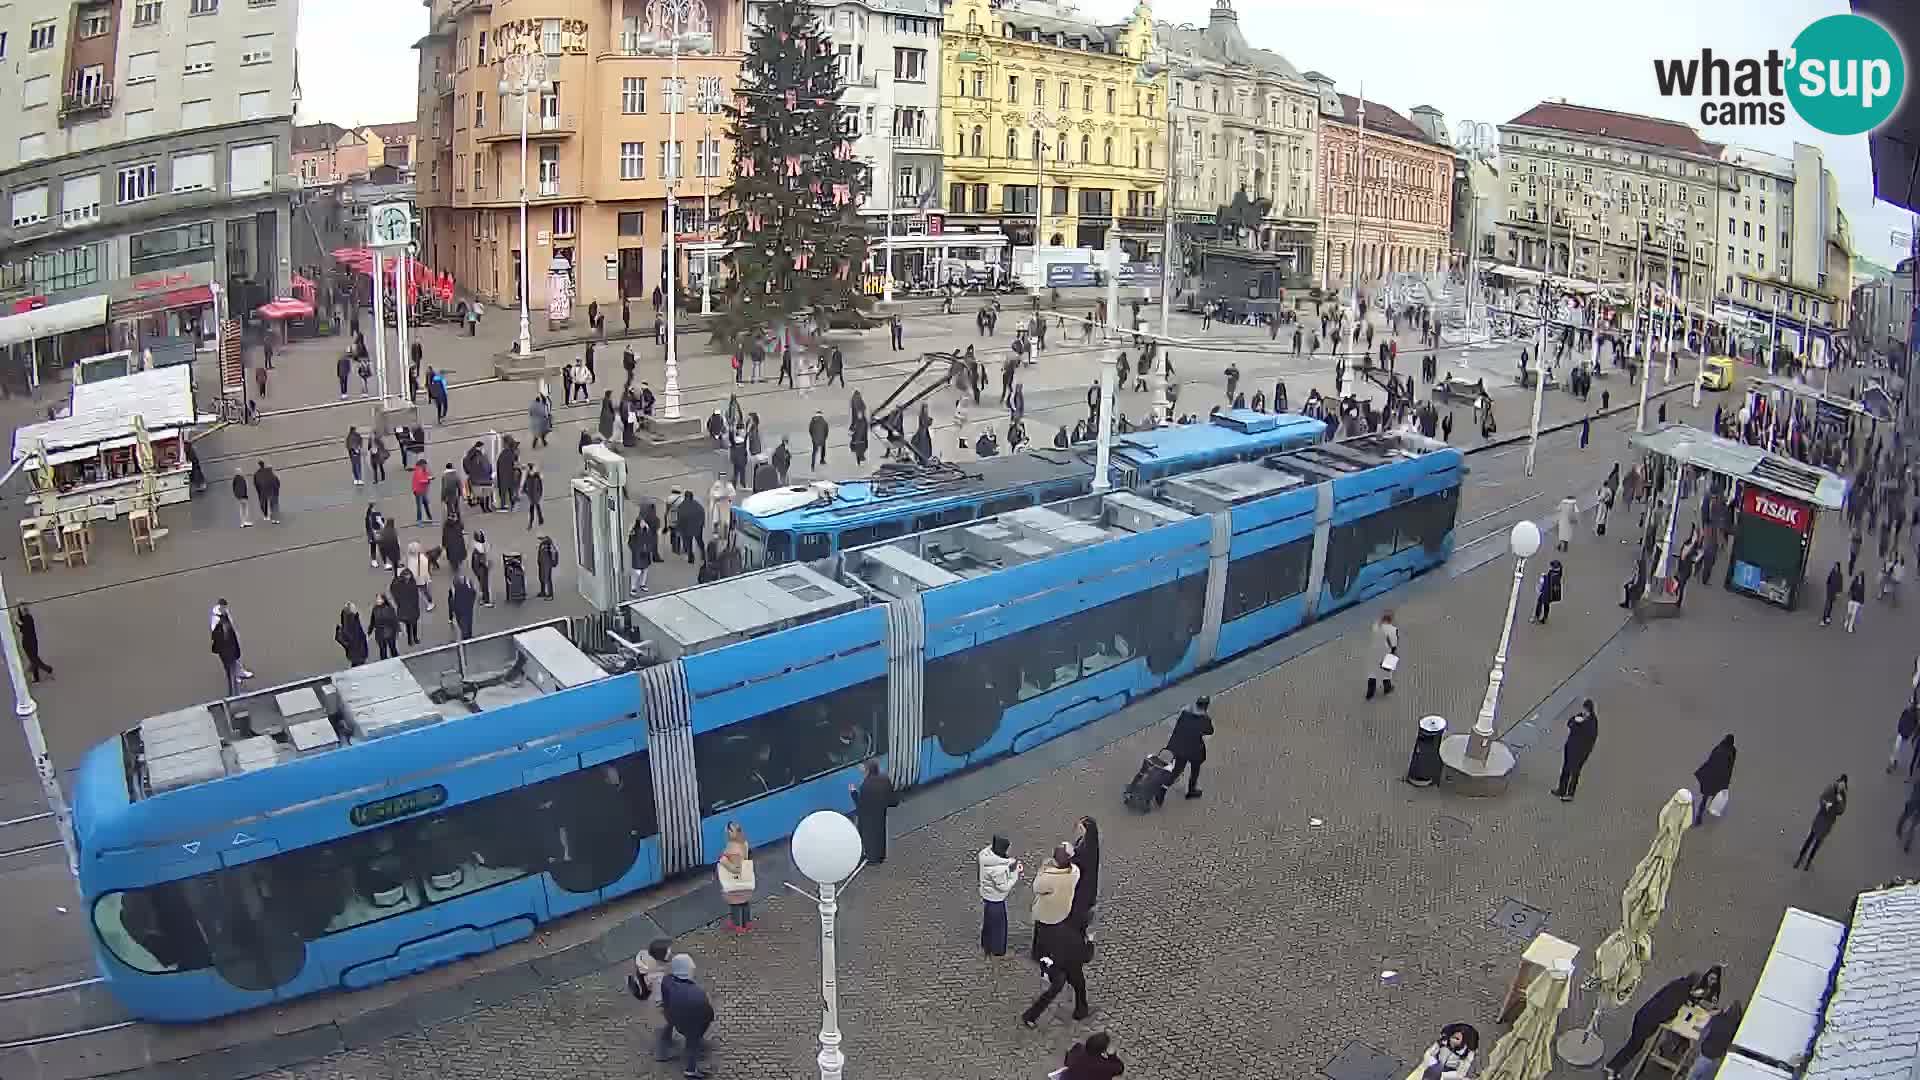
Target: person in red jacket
{"points": [[422, 484]]}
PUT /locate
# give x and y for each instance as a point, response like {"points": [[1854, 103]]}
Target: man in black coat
{"points": [[817, 434], [1189, 746], [872, 798], [266, 487], [691, 522], [1583, 730], [685, 1009], [30, 645]]}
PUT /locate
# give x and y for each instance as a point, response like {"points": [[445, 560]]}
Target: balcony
{"points": [[561, 126], [928, 142], [82, 102]]}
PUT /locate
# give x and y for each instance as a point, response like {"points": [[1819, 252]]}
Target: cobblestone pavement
{"points": [[1251, 933]]}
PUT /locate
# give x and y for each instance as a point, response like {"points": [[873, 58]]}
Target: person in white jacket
{"points": [[998, 875], [1451, 1055], [1569, 509]]}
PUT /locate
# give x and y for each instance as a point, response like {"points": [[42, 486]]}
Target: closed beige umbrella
{"points": [[1622, 958], [1525, 1052]]}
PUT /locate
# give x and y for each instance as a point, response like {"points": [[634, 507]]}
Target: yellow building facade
{"points": [[1051, 128]]}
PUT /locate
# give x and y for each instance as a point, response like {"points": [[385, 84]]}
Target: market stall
{"points": [[1771, 502], [93, 454]]}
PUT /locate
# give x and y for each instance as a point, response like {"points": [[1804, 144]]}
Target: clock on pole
{"points": [[390, 225]]}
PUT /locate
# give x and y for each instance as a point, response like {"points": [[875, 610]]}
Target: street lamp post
{"points": [[1524, 541], [893, 194], [826, 848], [709, 103], [531, 76], [667, 21]]}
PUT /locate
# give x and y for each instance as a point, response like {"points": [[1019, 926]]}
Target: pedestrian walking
{"points": [[450, 490], [691, 519], [1549, 593], [685, 1009], [460, 597], [343, 368], [1833, 803], [1086, 856], [1586, 430], [356, 447], [421, 567], [1714, 777], [872, 798], [1569, 509], [817, 432], [481, 563], [1903, 733], [266, 487], [1387, 637], [735, 874], [999, 873], [1188, 744], [377, 455], [1058, 946], [384, 624], [372, 523], [1835, 582], [351, 636], [540, 418], [546, 558], [240, 496], [404, 591], [1856, 599], [226, 646], [421, 481], [1583, 731], [533, 487], [30, 644]]}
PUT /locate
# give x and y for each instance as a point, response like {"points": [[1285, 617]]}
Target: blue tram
{"points": [[356, 827], [815, 521]]}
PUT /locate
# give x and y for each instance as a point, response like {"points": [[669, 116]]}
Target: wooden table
{"points": [[1673, 1046]]}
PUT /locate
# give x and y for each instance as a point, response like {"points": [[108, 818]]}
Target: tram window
{"points": [[779, 547], [954, 515], [871, 534], [993, 507], [814, 546], [248, 920], [1268, 577], [966, 692], [924, 522], [1425, 521], [776, 750]]}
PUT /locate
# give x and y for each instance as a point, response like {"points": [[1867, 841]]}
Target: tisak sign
{"points": [[1778, 509]]}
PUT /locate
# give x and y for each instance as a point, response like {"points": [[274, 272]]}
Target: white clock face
{"points": [[394, 226]]}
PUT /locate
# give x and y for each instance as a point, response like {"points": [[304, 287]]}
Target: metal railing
{"points": [[88, 98]]}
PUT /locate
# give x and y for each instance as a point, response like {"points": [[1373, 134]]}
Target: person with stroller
{"points": [[1148, 788]]}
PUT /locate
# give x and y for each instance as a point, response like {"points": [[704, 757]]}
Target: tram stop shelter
{"points": [[1772, 503]]}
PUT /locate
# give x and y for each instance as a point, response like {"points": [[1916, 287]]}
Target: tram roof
{"points": [[852, 501]]}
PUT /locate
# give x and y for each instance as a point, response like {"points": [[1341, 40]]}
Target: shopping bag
{"points": [[1717, 806], [1390, 663]]}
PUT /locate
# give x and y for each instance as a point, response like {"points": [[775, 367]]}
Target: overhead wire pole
{"points": [[1359, 168], [28, 711], [1540, 346]]}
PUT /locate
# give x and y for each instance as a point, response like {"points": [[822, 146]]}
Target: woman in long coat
{"points": [[872, 798], [1714, 776], [540, 418]]}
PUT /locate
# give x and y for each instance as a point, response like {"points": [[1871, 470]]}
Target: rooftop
{"points": [[1382, 118], [1632, 127], [1871, 1028], [310, 137], [1221, 41]]}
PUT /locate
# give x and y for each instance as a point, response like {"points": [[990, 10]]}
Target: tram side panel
{"points": [[1388, 525], [1023, 655], [783, 724], [440, 843], [1268, 572]]}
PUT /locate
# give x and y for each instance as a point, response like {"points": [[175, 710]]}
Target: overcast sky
{"points": [[1479, 60]]}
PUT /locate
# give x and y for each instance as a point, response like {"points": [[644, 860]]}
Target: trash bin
{"points": [[1424, 768]]}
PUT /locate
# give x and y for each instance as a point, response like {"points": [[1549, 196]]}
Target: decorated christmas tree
{"points": [[793, 205]]}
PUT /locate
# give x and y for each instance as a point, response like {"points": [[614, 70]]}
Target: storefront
{"points": [[171, 313], [38, 338], [1773, 502]]}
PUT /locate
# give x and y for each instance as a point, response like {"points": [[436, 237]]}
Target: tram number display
{"points": [[395, 807]]}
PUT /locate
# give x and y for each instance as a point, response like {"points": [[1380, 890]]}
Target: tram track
{"points": [[22, 836]]}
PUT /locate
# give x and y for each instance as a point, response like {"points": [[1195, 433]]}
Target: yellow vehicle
{"points": [[1718, 374]]}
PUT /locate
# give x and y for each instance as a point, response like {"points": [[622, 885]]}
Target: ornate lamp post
{"points": [[826, 848]]}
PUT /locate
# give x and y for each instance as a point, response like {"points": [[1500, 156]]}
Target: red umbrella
{"points": [[286, 307]]}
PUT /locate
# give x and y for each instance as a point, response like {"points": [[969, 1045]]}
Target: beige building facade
{"points": [[598, 156]]}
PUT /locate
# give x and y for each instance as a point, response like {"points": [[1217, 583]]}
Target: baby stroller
{"points": [[1149, 785], [514, 569]]}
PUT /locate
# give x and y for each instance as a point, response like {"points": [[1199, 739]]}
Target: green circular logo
{"points": [[1847, 76]]}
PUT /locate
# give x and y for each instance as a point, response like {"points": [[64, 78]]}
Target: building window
{"points": [[910, 65], [139, 182], [36, 91], [143, 67], [1013, 144], [193, 171], [256, 49], [146, 12], [630, 223], [161, 249], [40, 35], [633, 96], [256, 104], [1065, 100], [957, 198], [976, 147], [199, 58], [670, 161], [1107, 151], [1110, 101], [1013, 89], [480, 56], [479, 108], [94, 24], [139, 123], [203, 7], [30, 205], [1086, 98], [197, 113], [707, 161], [1086, 149], [564, 218], [550, 36], [1060, 146], [250, 168], [633, 161]]}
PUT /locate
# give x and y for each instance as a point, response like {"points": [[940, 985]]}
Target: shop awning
{"points": [[285, 308], [52, 320], [191, 296]]}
